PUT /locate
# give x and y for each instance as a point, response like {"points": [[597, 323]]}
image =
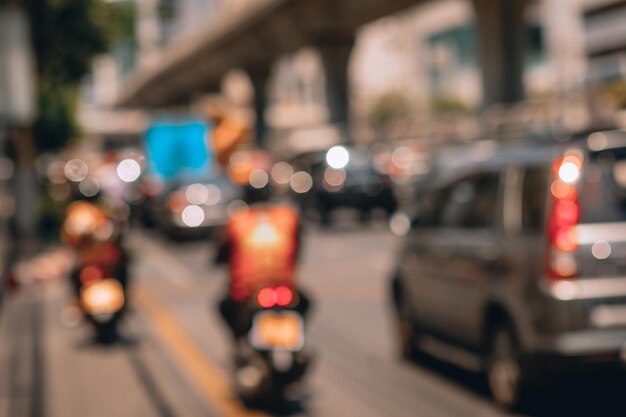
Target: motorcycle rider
{"points": [[261, 249], [93, 228]]}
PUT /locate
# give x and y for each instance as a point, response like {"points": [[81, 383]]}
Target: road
{"points": [[174, 359]]}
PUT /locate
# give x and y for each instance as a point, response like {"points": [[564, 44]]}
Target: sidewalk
{"points": [[50, 366]]}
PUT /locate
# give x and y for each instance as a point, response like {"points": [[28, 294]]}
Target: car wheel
{"points": [[505, 373], [106, 333], [406, 333]]}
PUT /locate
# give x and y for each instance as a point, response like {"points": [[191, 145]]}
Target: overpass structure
{"points": [[266, 29]]}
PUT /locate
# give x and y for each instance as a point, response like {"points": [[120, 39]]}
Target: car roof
{"points": [[451, 162], [315, 158]]}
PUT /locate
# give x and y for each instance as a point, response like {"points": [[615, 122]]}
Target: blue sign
{"points": [[177, 150]]}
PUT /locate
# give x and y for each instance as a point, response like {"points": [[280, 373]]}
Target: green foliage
{"points": [[67, 35], [617, 92], [51, 215], [386, 107], [166, 9], [121, 18], [449, 104], [55, 123]]}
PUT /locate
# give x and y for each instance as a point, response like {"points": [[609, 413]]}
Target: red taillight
{"points": [[266, 298], [284, 296], [566, 212], [564, 216], [91, 274], [564, 239], [561, 227], [177, 201], [271, 297]]}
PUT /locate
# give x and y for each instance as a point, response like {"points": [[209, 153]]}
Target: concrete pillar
{"points": [[258, 79], [565, 43], [148, 32], [334, 58], [501, 34]]}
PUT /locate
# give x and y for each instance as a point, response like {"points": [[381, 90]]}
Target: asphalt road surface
{"points": [[174, 358]]}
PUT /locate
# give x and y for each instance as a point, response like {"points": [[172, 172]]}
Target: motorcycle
{"points": [[271, 357], [100, 277], [100, 285]]}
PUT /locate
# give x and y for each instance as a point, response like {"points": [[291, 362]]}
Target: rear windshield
{"points": [[359, 171], [362, 172], [603, 197]]}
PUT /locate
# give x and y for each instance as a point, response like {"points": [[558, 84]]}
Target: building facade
{"points": [[423, 60]]}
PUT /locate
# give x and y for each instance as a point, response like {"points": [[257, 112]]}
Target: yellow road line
{"points": [[212, 383]]}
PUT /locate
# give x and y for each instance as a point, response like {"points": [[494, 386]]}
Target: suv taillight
{"points": [[564, 216]]}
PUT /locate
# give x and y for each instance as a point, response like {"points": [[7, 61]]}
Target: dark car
{"points": [[341, 177], [515, 262], [192, 208]]}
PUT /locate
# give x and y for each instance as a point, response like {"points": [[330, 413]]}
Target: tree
{"points": [[67, 35], [616, 91], [386, 108]]}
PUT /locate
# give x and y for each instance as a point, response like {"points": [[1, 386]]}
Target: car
{"points": [[341, 177], [193, 208], [515, 262]]}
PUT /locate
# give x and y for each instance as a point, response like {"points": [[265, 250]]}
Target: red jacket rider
{"points": [[263, 249]]}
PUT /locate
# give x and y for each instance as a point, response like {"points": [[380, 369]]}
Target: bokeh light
{"points": [[281, 173], [76, 170], [236, 206], [338, 157], [128, 170], [400, 224], [619, 173], [301, 182], [214, 195], [601, 249], [597, 141], [258, 178], [193, 216], [197, 194], [56, 173], [335, 177], [402, 157], [569, 172], [89, 187]]}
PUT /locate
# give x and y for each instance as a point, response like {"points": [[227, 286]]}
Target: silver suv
{"points": [[515, 263]]}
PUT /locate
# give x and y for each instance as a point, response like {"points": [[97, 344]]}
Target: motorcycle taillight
{"points": [[91, 274], [272, 297]]}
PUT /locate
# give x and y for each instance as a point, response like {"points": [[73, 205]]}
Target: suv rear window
{"points": [[534, 197], [603, 196], [472, 202]]}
